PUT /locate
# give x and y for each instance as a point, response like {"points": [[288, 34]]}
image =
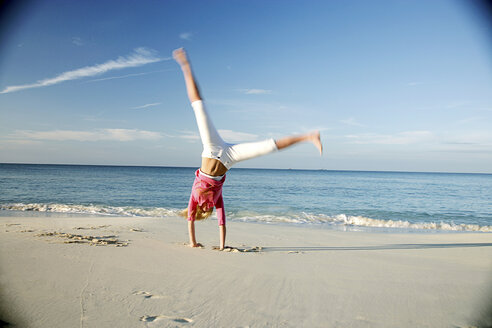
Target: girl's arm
{"points": [[191, 221], [191, 231], [219, 207]]}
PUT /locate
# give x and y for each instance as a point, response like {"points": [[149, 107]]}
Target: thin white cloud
{"points": [[189, 135], [227, 135], [448, 106], [402, 138], [479, 142], [77, 41], [469, 120], [477, 138], [20, 142], [234, 136], [127, 75], [140, 56], [146, 106], [98, 135], [255, 91], [186, 36], [311, 128], [351, 121], [256, 107]]}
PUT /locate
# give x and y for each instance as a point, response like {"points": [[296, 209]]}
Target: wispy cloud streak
{"points": [[140, 56], [189, 135], [77, 41], [146, 106], [351, 121], [255, 91], [186, 36], [236, 136], [125, 76], [402, 138], [98, 135], [228, 135]]}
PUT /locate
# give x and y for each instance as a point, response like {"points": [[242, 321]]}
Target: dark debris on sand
{"points": [[81, 239]]}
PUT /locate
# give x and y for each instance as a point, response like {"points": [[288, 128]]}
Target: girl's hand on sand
{"points": [[179, 56]]}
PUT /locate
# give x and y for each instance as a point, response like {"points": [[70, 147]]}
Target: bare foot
{"points": [[197, 245], [316, 140], [179, 56], [218, 248]]}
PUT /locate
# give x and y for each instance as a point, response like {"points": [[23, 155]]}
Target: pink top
{"points": [[206, 193]]}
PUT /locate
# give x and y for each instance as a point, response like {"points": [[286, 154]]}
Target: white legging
{"points": [[215, 147]]}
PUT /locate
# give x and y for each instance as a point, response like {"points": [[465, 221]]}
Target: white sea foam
{"points": [[303, 218], [92, 209], [359, 221], [368, 222]]}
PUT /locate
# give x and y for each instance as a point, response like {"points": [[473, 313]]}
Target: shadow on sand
{"points": [[372, 248]]}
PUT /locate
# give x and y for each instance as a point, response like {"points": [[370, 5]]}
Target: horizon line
{"points": [[254, 168]]}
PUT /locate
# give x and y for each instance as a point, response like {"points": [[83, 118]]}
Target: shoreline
{"points": [[368, 225], [277, 275]]}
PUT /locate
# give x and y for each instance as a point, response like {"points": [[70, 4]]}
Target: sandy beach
{"points": [[137, 272]]}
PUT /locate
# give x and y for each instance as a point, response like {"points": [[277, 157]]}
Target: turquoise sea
{"points": [[374, 201]]}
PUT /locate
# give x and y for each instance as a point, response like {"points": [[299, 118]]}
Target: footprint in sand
{"points": [[147, 294], [152, 318], [188, 245]]}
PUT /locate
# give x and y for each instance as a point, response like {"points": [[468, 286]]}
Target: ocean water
{"points": [[375, 201]]}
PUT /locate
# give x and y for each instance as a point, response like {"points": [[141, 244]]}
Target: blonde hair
{"points": [[199, 213]]}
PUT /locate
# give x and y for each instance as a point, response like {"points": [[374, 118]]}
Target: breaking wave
{"points": [[367, 222], [92, 209], [293, 218], [361, 221]]}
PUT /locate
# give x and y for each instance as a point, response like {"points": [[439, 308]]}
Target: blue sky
{"points": [[391, 85]]}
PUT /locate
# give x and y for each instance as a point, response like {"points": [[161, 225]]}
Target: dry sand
{"points": [[136, 272]]}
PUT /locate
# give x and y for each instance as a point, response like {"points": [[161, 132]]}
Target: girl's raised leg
{"points": [[191, 85], [312, 137], [208, 133]]}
